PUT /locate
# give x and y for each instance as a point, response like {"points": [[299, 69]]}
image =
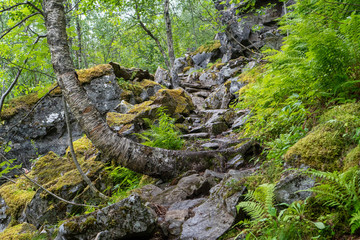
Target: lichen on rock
{"points": [[24, 231]]}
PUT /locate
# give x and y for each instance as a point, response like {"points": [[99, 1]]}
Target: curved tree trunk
{"points": [[155, 162]]}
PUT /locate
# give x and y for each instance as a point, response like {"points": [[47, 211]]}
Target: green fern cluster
{"points": [[268, 223], [340, 191], [164, 134]]}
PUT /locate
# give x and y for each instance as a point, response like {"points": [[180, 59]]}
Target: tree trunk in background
{"points": [[148, 32], [78, 31], [170, 43], [155, 162]]}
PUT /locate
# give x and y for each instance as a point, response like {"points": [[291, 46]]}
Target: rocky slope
{"points": [[193, 206]]}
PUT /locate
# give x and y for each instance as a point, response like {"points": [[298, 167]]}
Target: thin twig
{"points": [[31, 70], [19, 23]]}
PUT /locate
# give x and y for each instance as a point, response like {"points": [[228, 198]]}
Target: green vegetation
{"points": [[266, 222], [164, 134]]}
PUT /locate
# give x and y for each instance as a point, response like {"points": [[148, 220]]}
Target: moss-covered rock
{"points": [[86, 75], [210, 47], [19, 103], [16, 195], [23, 231], [176, 101], [324, 147], [352, 159]]}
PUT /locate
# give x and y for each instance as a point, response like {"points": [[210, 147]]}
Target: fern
{"points": [[340, 190], [162, 135]]}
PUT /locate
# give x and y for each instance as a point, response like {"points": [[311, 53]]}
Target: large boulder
{"points": [[127, 219]]}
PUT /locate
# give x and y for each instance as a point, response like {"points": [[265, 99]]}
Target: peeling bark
{"points": [[155, 162]]}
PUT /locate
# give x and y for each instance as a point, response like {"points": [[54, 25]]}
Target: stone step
{"points": [[195, 85], [195, 135]]}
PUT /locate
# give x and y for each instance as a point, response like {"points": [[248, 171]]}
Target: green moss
{"points": [[118, 119], [176, 101], [186, 69], [24, 231], [209, 47], [320, 149], [17, 196], [50, 167], [88, 223], [146, 83], [19, 103], [86, 75], [325, 146], [83, 147], [352, 159], [142, 108]]}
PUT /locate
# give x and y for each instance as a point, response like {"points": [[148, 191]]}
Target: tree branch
{"points": [[16, 78], [19, 23], [23, 3], [24, 68]]}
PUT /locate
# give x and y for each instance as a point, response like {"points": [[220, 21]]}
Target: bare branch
{"points": [[14, 6], [23, 3], [19, 23], [16, 78]]}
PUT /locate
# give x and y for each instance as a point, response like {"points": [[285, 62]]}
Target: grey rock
{"points": [[240, 121], [148, 192], [4, 217], [236, 162], [162, 76], [127, 219], [187, 187], [202, 59], [180, 64], [195, 135], [123, 107], [177, 214], [287, 189], [211, 145], [219, 98], [216, 215], [104, 93], [208, 79]]}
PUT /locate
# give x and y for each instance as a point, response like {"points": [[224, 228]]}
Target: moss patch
{"points": [[324, 147], [320, 149], [186, 69], [86, 75], [146, 83], [175, 100], [352, 159], [23, 231], [209, 47], [117, 119], [142, 108], [50, 167], [17, 196], [19, 103]]}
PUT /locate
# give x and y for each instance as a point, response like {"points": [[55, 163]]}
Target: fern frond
{"points": [[355, 221], [255, 210]]}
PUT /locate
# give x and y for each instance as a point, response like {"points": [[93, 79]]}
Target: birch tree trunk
{"points": [[155, 162], [170, 43]]}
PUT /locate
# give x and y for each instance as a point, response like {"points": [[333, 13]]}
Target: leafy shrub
{"points": [[164, 134]]}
